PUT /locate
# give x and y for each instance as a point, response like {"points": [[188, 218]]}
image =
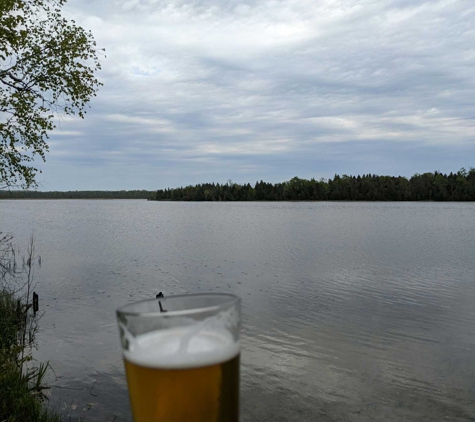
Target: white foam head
{"points": [[181, 348]]}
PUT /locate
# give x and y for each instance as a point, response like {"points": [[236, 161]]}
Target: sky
{"points": [[248, 90]]}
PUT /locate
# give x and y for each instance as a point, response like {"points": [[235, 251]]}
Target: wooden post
{"points": [[36, 305]]}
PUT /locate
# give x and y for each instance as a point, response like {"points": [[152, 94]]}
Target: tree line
{"points": [[437, 186], [78, 194]]}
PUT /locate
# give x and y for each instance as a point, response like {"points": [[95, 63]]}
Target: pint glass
{"points": [[181, 357]]}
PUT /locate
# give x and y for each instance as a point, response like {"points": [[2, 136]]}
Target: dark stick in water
{"points": [[160, 295]]}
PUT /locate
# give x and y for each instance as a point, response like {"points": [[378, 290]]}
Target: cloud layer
{"points": [[210, 90]]}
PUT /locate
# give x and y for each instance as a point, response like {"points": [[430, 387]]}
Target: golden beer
{"points": [[205, 394], [182, 362]]}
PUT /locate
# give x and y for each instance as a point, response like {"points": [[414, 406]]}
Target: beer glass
{"points": [[181, 356]]}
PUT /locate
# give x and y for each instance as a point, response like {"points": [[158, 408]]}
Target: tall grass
{"points": [[21, 388]]}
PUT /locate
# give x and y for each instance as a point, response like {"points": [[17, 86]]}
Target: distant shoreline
{"points": [[66, 199], [437, 187], [89, 194], [237, 201]]}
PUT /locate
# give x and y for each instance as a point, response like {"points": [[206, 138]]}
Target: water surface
{"points": [[352, 311]]}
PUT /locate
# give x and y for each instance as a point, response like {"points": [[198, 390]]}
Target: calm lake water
{"points": [[352, 311]]}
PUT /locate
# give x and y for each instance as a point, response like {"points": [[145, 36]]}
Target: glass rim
{"points": [[232, 300]]}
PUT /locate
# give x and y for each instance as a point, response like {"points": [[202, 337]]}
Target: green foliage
{"points": [[10, 325], [426, 187], [47, 66], [21, 388], [17, 404]]}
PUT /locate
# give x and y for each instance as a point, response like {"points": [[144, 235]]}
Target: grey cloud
{"points": [[272, 89]]}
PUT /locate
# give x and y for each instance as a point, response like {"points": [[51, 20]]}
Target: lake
{"points": [[351, 311]]}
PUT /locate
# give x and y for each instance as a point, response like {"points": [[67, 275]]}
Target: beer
{"points": [[184, 375]]}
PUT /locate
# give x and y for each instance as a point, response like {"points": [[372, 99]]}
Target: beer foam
{"points": [[181, 348]]}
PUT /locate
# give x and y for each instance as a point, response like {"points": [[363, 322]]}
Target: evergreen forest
{"points": [[459, 186], [437, 186]]}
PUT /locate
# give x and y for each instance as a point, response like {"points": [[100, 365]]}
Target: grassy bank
{"points": [[21, 391]]}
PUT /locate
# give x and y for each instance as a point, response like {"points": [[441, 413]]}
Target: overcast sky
{"points": [[212, 90]]}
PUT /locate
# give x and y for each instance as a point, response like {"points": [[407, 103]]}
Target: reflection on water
{"points": [[352, 311]]}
